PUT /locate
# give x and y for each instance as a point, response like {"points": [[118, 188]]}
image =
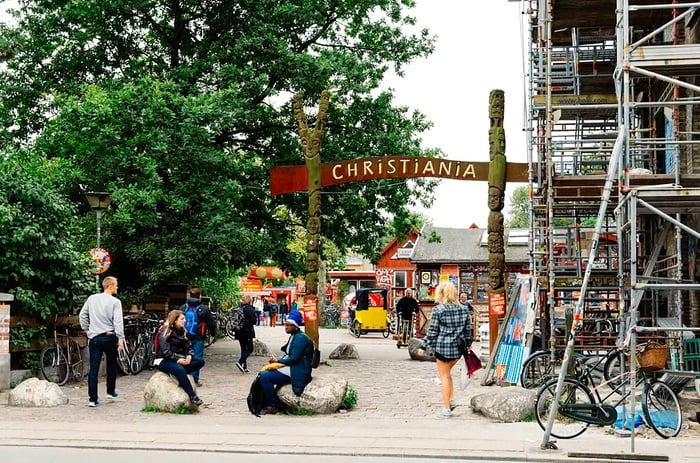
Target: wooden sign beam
{"points": [[289, 179]]}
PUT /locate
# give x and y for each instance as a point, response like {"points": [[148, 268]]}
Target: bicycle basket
{"points": [[652, 357]]}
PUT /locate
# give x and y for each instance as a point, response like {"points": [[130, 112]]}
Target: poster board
{"points": [[512, 349]]}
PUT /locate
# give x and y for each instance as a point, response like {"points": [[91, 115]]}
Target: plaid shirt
{"points": [[448, 322]]}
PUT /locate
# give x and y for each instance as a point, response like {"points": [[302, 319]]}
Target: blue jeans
{"points": [[180, 372], [246, 349], [107, 345], [267, 318], [270, 379], [283, 317], [198, 348]]}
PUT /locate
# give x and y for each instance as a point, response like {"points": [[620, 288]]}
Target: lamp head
{"points": [[98, 200]]}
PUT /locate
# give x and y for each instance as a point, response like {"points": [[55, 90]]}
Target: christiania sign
{"points": [[288, 179]]}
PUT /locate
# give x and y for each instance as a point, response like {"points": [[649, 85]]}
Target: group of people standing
{"points": [[180, 354], [269, 312], [180, 351]]}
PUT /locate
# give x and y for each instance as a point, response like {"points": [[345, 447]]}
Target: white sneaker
{"points": [[445, 413]]}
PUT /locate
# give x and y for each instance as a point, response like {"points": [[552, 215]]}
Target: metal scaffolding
{"points": [[614, 151]]}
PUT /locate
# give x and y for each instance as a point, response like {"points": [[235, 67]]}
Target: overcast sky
{"points": [[478, 50]]}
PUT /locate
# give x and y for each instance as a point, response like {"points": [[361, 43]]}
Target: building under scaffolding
{"points": [[614, 150]]}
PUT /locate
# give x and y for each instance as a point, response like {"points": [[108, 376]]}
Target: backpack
{"points": [[156, 338], [237, 320], [256, 397], [192, 324]]}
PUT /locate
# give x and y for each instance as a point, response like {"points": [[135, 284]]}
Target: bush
{"points": [[350, 399]]}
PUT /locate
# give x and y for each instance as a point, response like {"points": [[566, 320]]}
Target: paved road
{"points": [[395, 415]]}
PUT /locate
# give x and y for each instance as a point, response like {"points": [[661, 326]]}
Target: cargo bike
{"points": [[369, 313]]}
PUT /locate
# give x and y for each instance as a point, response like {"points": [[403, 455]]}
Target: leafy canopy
{"points": [[181, 108]]}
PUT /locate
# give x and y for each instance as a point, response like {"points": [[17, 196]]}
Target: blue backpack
{"points": [[192, 325]]}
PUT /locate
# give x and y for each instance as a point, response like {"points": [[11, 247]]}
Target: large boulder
{"points": [[345, 352], [36, 392], [163, 392], [324, 394], [413, 345], [507, 404], [260, 349]]}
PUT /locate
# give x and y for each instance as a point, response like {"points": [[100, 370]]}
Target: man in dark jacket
{"points": [[294, 367], [406, 308], [246, 334], [284, 310], [206, 322]]}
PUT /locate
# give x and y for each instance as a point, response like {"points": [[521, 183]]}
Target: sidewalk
{"points": [[395, 416]]}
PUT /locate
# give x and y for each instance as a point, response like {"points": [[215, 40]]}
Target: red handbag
{"points": [[473, 363]]}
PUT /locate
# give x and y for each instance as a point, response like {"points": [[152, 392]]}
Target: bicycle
{"points": [[580, 406], [538, 367], [61, 360]]}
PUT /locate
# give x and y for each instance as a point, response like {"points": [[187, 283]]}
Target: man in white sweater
{"points": [[101, 317]]}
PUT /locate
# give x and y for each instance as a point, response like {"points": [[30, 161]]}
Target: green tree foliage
{"points": [[40, 262], [181, 108], [519, 208]]}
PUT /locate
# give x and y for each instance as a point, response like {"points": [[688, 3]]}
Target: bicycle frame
{"points": [[599, 413]]}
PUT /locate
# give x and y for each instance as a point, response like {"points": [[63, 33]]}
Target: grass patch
{"points": [[350, 399], [529, 418], [181, 410], [298, 412]]}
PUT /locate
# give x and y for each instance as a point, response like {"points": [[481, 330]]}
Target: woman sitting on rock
{"points": [[175, 355]]}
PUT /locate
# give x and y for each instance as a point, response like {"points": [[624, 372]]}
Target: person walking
{"points": [[102, 318], [258, 305], [274, 309], [294, 367], [284, 310], [406, 309], [266, 312], [204, 322], [450, 326], [175, 355], [246, 334]]}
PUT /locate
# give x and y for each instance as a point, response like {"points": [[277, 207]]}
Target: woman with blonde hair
{"points": [[175, 355], [449, 324]]}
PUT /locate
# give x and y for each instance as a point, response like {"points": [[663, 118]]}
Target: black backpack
{"points": [[237, 320], [256, 397]]}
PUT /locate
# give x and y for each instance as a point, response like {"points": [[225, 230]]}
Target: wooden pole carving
{"points": [[311, 147], [497, 188]]}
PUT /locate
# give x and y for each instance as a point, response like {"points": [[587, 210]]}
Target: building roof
{"points": [[467, 245]]}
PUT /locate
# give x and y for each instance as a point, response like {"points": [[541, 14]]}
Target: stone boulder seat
{"points": [[35, 392], [164, 393], [323, 395]]}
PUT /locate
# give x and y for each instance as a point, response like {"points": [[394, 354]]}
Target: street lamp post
{"points": [[98, 201]]}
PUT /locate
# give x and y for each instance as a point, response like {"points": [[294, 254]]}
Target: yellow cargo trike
{"points": [[370, 313]]}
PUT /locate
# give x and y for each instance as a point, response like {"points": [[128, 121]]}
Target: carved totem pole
{"points": [[497, 188], [311, 147]]}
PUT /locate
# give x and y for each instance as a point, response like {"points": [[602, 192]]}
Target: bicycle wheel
{"points": [[356, 329], [661, 409], [537, 369], [572, 392], [124, 360], [612, 370], [54, 365], [138, 359], [76, 361]]}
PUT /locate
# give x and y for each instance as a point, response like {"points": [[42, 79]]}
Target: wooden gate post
{"points": [[311, 146], [497, 188]]}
